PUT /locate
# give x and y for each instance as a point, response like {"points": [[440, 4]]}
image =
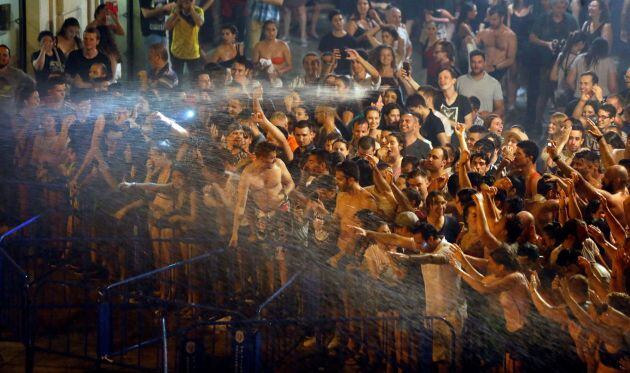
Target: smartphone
{"points": [[407, 68]]}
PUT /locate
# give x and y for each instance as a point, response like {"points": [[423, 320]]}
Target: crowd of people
{"points": [[407, 194]]}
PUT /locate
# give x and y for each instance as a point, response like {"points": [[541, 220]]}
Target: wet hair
{"points": [[265, 148], [349, 169], [465, 195], [433, 196], [324, 182], [503, 256], [369, 220], [426, 230], [587, 155], [528, 250], [334, 159]]}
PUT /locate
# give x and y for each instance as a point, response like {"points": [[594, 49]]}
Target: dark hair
{"points": [[45, 33], [518, 184], [513, 228], [243, 61], [324, 182], [477, 128], [499, 9], [369, 220], [503, 256], [481, 155], [366, 142], [485, 145], [302, 124], [432, 197], [426, 230], [449, 49], [465, 8], [370, 108], [574, 38], [68, 22], [416, 100], [609, 109], [410, 159], [619, 301], [391, 30], [476, 52], [93, 30], [529, 250], [413, 196], [449, 70], [593, 76], [265, 148], [530, 149], [604, 16], [230, 27], [475, 103], [23, 93], [349, 169], [614, 140], [333, 13]]}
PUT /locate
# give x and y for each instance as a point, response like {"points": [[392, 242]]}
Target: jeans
{"points": [[194, 66]]}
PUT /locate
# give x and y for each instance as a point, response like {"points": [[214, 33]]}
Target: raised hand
{"points": [[552, 149], [358, 230]]}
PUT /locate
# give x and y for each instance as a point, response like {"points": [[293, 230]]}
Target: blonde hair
{"points": [[558, 118]]}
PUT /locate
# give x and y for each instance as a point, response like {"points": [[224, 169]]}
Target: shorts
{"points": [[498, 74]]}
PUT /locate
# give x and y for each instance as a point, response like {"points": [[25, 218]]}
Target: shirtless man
{"points": [[350, 199], [499, 43], [614, 184], [525, 163], [266, 182]]}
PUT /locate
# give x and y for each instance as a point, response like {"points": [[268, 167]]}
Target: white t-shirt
{"points": [[487, 90], [442, 285]]}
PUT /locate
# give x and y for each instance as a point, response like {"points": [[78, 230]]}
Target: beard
{"points": [[3, 65]]}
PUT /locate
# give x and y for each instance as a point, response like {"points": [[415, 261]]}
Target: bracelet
{"points": [[555, 158]]}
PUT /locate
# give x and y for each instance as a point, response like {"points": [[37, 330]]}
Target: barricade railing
{"points": [[15, 303]]}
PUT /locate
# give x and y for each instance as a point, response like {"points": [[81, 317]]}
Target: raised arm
{"points": [[387, 238], [557, 314], [487, 238]]}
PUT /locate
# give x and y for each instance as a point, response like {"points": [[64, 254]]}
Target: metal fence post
{"points": [[29, 330], [104, 327]]}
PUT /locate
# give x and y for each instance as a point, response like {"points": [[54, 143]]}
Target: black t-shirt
{"points": [[153, 25], [547, 30], [456, 111], [78, 64], [53, 65], [330, 42], [431, 128], [418, 149], [450, 229]]}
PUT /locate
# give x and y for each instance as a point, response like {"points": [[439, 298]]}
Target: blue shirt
{"points": [[262, 12]]}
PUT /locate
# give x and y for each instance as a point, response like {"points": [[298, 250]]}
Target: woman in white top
{"points": [[596, 59]]}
